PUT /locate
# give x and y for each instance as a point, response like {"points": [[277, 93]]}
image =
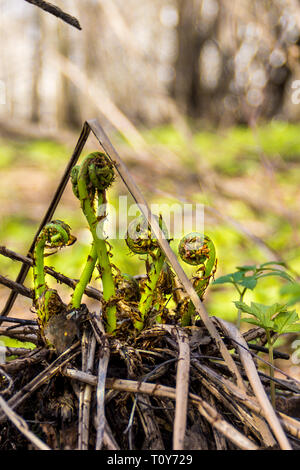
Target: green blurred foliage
{"points": [[14, 343]]}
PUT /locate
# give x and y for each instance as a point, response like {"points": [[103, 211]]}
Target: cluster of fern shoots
{"points": [[128, 303]]}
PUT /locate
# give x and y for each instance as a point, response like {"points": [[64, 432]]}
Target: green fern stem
{"points": [[56, 234], [140, 240], [85, 278], [148, 296], [87, 207]]}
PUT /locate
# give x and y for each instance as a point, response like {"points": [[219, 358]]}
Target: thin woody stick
{"points": [[89, 291], [16, 287], [182, 390], [257, 387], [56, 11], [100, 390], [182, 386], [42, 377], [22, 426], [86, 393]]}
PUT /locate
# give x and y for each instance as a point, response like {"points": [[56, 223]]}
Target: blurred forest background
{"points": [[200, 99]]}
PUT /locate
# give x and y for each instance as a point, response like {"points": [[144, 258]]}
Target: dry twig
{"points": [[43, 377], [182, 386], [56, 11], [256, 384], [100, 391], [22, 426], [88, 355]]}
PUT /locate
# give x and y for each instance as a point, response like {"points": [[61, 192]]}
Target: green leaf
{"points": [[241, 278], [284, 320], [249, 282], [224, 279], [238, 278], [258, 310], [243, 307], [279, 273], [276, 308], [293, 328], [246, 268], [269, 263], [262, 313], [245, 281], [252, 321]]}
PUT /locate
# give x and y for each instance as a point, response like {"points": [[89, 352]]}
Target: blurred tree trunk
{"points": [[185, 92], [36, 67], [192, 35], [68, 109], [215, 98]]}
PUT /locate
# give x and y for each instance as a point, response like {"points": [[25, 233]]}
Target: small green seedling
{"points": [[276, 320], [246, 277]]}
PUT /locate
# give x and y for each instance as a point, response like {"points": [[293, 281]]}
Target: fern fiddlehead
{"points": [[56, 234], [198, 250]]}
